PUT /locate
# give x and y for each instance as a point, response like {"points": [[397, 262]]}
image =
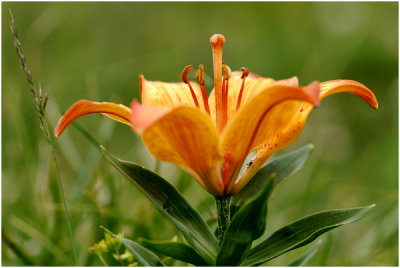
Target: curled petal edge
{"points": [[115, 111]]}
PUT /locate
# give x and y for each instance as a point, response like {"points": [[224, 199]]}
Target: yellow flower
{"points": [[210, 138]]}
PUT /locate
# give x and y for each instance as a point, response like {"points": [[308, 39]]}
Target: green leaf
{"points": [[172, 205], [302, 232], [176, 250], [146, 257], [282, 166], [303, 259], [247, 225]]}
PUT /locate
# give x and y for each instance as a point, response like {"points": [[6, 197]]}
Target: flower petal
{"points": [[246, 129], [117, 112], [168, 95], [187, 138], [290, 123], [349, 86], [143, 116]]}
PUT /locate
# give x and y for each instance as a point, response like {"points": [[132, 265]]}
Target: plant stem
{"points": [[40, 101], [223, 215]]}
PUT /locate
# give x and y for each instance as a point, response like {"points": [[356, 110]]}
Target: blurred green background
{"points": [[96, 51]]}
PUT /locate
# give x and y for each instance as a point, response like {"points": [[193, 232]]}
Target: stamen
{"points": [[185, 80], [245, 73], [200, 80], [225, 85], [217, 42]]}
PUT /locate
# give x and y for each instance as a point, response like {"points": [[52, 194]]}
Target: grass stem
{"points": [[40, 101]]}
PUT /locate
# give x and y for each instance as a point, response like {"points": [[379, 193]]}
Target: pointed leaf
{"points": [[172, 205], [302, 232], [176, 250], [282, 166], [303, 259], [247, 225], [146, 257]]}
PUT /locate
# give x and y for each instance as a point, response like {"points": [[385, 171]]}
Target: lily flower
{"points": [[211, 137]]}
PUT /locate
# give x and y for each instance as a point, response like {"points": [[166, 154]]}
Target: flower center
{"points": [[221, 83]]}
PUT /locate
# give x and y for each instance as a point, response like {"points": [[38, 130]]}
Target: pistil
{"points": [[245, 73], [217, 42], [185, 80], [200, 80]]}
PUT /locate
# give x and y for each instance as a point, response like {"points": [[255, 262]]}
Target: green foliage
{"points": [[281, 167], [301, 233], [172, 205], [112, 245], [248, 224], [303, 259], [176, 250], [146, 257]]}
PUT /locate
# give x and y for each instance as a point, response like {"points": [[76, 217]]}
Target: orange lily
{"points": [[210, 138]]}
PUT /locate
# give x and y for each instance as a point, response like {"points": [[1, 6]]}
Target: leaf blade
{"points": [[282, 166], [303, 259], [302, 232], [145, 256], [175, 250], [172, 205]]}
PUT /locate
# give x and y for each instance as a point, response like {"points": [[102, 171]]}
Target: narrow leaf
{"points": [[303, 259], [282, 166], [247, 225], [302, 232], [175, 250], [146, 257], [172, 205]]}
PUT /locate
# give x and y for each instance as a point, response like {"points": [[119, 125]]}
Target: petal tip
{"points": [[374, 103], [313, 90], [58, 130]]}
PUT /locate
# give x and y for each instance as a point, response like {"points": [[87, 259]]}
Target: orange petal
{"points": [[349, 86], [143, 116], [186, 137], [168, 95], [117, 112], [246, 129], [290, 123]]}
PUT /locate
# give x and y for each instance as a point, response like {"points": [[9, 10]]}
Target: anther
{"points": [[200, 80], [185, 80], [227, 71], [245, 73]]}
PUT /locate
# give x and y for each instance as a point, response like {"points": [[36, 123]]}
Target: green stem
{"points": [[223, 215]]}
